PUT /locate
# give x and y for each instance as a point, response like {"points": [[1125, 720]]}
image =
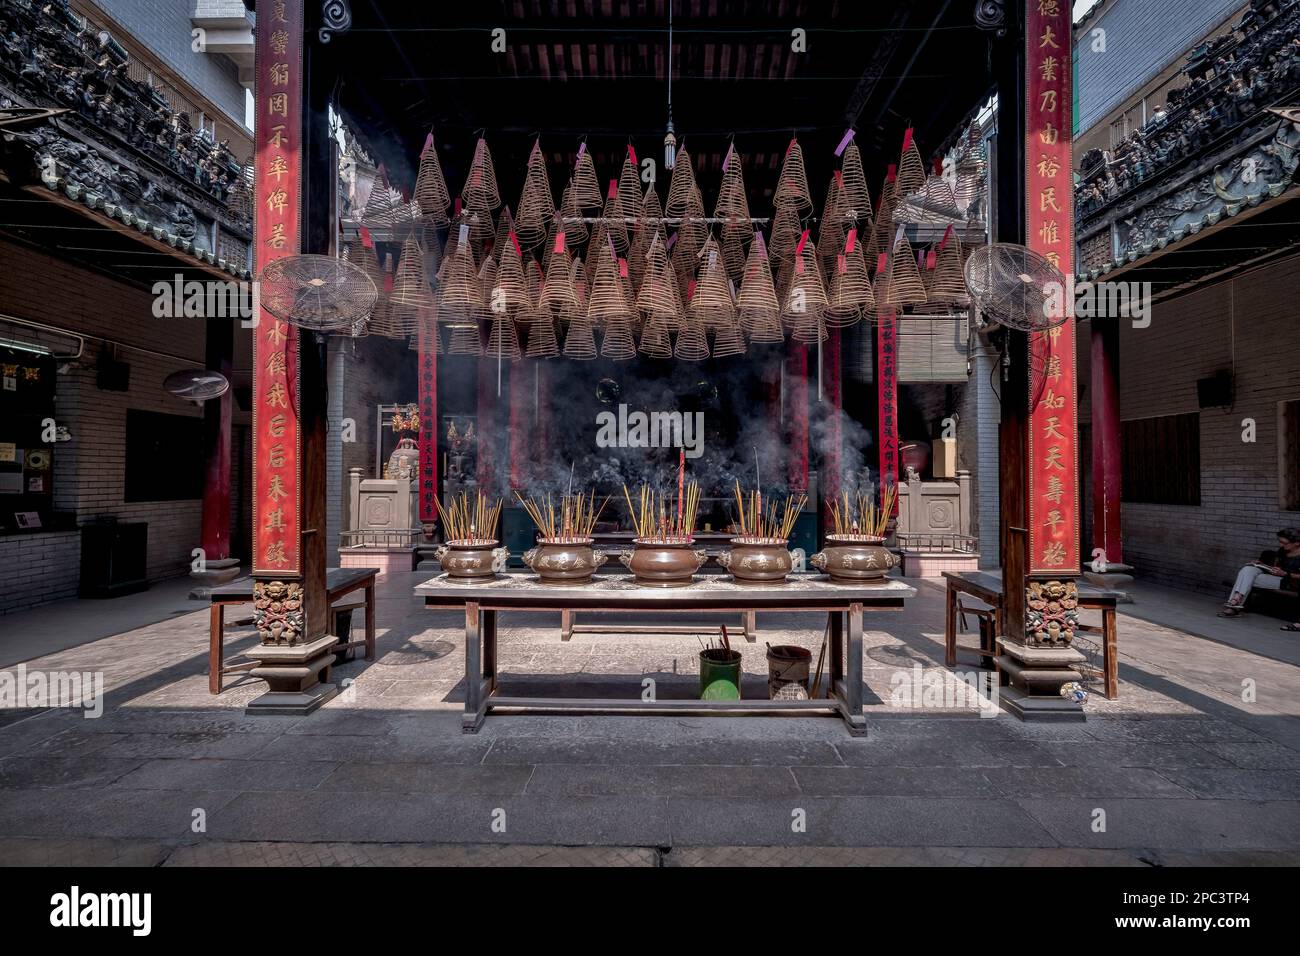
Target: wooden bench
{"points": [[339, 583]]}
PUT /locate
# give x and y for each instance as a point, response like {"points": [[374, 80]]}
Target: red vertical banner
{"points": [[428, 395], [1053, 467], [887, 395], [277, 491]]}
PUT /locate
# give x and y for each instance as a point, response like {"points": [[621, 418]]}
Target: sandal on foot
{"points": [[1230, 612]]}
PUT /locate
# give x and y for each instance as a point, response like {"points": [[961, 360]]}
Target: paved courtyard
{"points": [[1198, 762]]}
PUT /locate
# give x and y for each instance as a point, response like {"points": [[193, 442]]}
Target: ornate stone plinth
{"points": [[297, 676], [1039, 664]]}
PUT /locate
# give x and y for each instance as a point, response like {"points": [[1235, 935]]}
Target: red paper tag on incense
{"points": [[938, 165], [851, 242], [631, 154], [559, 241], [841, 266], [762, 244], [456, 206], [931, 258], [428, 141], [727, 159], [907, 139], [622, 267], [790, 147], [690, 290], [613, 189], [839, 179], [515, 239], [582, 148], [366, 240], [882, 262], [892, 173], [946, 236], [803, 239]]}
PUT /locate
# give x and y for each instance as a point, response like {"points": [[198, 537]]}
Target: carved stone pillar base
{"points": [[1036, 675], [297, 676]]}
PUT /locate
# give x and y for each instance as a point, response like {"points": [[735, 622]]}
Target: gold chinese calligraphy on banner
{"points": [[1053, 468], [277, 492]]}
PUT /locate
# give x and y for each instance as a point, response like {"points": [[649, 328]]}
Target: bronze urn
{"points": [[663, 563], [754, 560], [564, 561], [477, 560], [854, 559]]}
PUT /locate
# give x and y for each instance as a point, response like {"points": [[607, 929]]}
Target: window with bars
{"points": [[1162, 460]]}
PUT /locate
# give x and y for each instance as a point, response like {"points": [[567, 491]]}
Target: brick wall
{"points": [[38, 568], [89, 470], [1255, 319]]}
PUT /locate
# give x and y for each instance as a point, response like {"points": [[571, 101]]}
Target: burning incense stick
{"points": [[470, 521], [861, 517], [650, 514], [777, 524], [577, 518]]}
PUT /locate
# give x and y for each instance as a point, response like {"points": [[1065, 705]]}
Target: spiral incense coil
{"points": [[734, 255], [728, 341], [655, 339], [505, 226], [431, 195], [580, 340], [792, 186], [575, 224], [480, 190], [949, 285], [764, 327], [613, 223], [732, 205], [831, 230], [940, 203], [465, 340], [905, 285], [558, 297], [607, 301], [536, 209], [578, 279], [682, 188], [487, 280], [503, 340], [386, 214], [428, 331], [805, 299], [711, 305], [511, 289], [810, 329], [785, 234], [542, 342], [850, 295], [856, 200], [652, 211], [756, 293], [618, 342], [911, 171], [629, 188], [658, 293], [586, 184], [410, 287], [459, 287], [692, 342]]}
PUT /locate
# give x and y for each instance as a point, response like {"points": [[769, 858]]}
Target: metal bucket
{"points": [[787, 672]]}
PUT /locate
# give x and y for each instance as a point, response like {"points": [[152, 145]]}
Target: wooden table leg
{"points": [[370, 621], [566, 625], [851, 701], [490, 649], [751, 626], [216, 624], [472, 719], [950, 628], [836, 651], [1110, 652]]}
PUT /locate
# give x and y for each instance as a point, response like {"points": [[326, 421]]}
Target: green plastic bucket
{"points": [[719, 674]]}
